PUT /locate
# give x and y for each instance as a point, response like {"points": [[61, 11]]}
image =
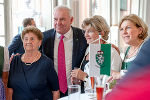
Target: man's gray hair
{"points": [[63, 7]]}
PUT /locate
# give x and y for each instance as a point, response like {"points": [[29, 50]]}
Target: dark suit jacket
{"points": [[16, 46], [79, 45]]}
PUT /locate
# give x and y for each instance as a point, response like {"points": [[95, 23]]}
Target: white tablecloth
{"points": [[85, 96]]}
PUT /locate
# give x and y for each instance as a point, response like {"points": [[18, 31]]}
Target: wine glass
{"points": [[92, 83], [92, 88]]}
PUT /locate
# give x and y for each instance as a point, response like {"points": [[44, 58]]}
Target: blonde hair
{"points": [[34, 30], [99, 24], [138, 22]]}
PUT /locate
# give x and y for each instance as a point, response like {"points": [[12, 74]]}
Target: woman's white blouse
{"points": [[6, 60], [116, 63]]}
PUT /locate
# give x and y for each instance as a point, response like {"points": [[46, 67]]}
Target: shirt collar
{"points": [[67, 35]]}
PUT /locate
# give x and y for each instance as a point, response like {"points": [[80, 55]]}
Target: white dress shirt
{"points": [[68, 46], [6, 60]]}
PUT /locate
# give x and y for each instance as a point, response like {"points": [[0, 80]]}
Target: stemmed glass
{"points": [[92, 83], [92, 88]]}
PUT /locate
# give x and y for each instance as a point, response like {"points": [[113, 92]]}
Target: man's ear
{"points": [[71, 20]]}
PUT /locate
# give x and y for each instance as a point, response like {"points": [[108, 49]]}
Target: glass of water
{"points": [[74, 92]]}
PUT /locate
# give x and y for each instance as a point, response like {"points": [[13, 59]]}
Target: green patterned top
{"points": [[127, 61]]}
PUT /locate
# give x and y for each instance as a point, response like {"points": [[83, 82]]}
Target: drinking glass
{"points": [[99, 88], [92, 88], [74, 92], [92, 84], [99, 92]]}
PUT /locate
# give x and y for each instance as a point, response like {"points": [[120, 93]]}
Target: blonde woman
{"points": [[93, 27], [133, 31]]}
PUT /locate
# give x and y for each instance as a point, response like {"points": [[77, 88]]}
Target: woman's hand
{"points": [[79, 74], [114, 76], [12, 56]]}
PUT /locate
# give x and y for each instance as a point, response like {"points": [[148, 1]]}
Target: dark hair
{"points": [[34, 30], [27, 21]]}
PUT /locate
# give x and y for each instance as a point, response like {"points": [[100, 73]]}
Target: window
{"points": [[1, 1], [102, 8], [2, 35], [23, 9], [40, 10], [125, 9]]}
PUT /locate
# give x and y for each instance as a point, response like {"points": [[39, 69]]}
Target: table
{"points": [[84, 96], [87, 96]]}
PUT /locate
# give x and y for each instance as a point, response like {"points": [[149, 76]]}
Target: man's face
{"points": [[62, 21]]}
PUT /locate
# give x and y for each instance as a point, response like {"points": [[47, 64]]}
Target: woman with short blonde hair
{"points": [[133, 31], [94, 27]]}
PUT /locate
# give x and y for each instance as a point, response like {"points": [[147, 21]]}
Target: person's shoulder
{"points": [[77, 29], [18, 36], [116, 48], [46, 59], [46, 62], [114, 51], [48, 34], [78, 33], [48, 31]]}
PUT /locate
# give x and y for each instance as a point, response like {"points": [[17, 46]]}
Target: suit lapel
{"points": [[75, 47], [52, 43]]}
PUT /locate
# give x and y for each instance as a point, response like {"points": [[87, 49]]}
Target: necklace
{"points": [[28, 64], [129, 55]]}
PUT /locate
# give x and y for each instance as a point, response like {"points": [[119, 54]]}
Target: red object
{"points": [[134, 86], [62, 66], [99, 92], [92, 82]]}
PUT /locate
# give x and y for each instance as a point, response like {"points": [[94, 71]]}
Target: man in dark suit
{"points": [[16, 46], [74, 42], [135, 85]]}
